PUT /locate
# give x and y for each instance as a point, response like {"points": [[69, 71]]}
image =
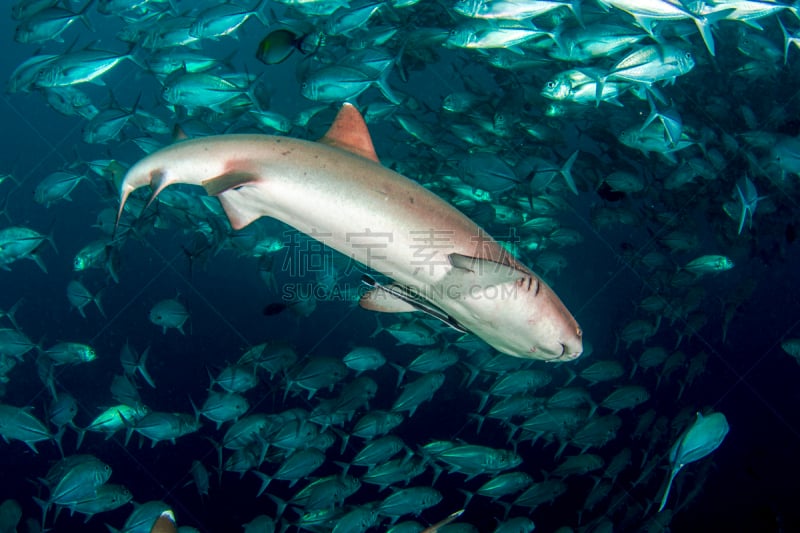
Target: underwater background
{"points": [[616, 252]]}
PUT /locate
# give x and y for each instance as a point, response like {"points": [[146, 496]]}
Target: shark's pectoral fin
{"points": [[491, 273], [385, 301], [394, 298]]}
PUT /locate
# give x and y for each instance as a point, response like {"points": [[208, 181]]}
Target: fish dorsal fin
{"points": [[349, 132]]}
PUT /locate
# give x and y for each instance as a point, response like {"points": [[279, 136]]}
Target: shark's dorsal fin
{"points": [[349, 132]]}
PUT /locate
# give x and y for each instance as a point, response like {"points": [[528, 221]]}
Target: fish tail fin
{"points": [[281, 504], [378, 328], [196, 411], [57, 439], [704, 28], [671, 476], [600, 84], [129, 434], [437, 472], [344, 466], [344, 436], [382, 83], [398, 62], [479, 418], [654, 113], [39, 346], [49, 237], [793, 9], [507, 507], [262, 14], [81, 434], [681, 389], [401, 372], [97, 303], [12, 311], [575, 7], [512, 431], [473, 372], [634, 369], [219, 467], [744, 211], [136, 57], [561, 447], [484, 398], [211, 380], [141, 366], [82, 15], [265, 481], [251, 91], [787, 41], [4, 209], [566, 172], [38, 260], [289, 383], [45, 506], [467, 497]]}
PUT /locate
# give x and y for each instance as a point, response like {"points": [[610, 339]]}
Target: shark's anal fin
{"points": [[349, 132], [394, 298]]}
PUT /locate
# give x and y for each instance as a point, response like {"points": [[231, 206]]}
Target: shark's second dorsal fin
{"points": [[349, 132]]}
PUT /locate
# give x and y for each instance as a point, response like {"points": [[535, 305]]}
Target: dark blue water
{"points": [[748, 484]]}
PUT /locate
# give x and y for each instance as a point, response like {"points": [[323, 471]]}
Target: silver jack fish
{"points": [[336, 191]]}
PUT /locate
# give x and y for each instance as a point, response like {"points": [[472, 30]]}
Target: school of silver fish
{"points": [[416, 185]]}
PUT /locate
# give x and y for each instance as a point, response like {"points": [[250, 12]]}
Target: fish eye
{"points": [[688, 55], [551, 84]]}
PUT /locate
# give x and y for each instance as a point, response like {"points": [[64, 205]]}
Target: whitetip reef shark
{"points": [[336, 191]]}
